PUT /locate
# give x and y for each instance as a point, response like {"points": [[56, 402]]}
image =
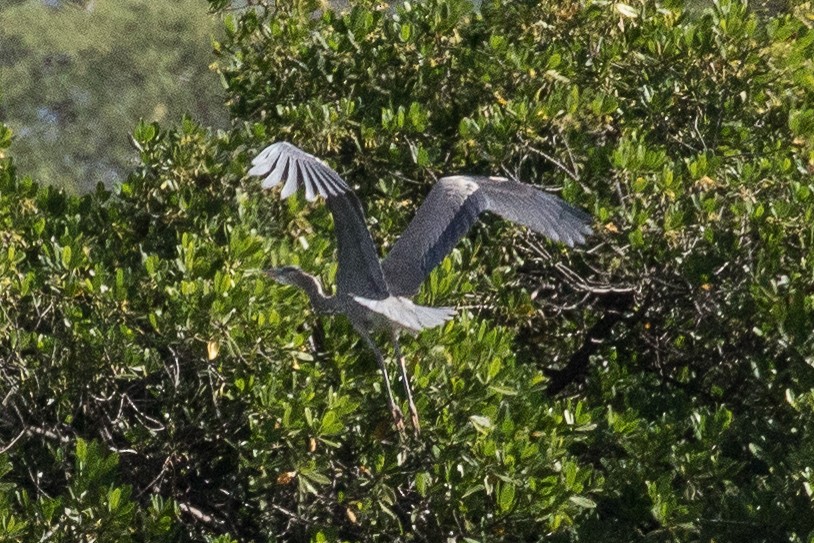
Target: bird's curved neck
{"points": [[313, 288]]}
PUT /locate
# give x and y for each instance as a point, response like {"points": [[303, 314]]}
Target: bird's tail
{"points": [[407, 315]]}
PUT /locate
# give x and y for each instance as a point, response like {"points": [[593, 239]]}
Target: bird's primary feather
{"points": [[283, 161]]}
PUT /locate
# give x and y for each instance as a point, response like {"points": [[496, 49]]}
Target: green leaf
{"points": [[145, 132], [406, 32], [504, 391], [423, 480], [66, 257], [5, 136], [582, 501], [113, 498], [626, 10], [481, 423], [330, 424], [505, 497]]}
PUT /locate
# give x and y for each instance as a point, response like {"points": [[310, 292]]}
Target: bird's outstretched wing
{"points": [[454, 205], [359, 271]]}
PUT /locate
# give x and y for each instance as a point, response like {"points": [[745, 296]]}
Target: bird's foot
{"points": [[416, 424], [398, 418]]}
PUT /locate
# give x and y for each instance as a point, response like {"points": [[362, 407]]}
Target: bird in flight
{"points": [[374, 294]]}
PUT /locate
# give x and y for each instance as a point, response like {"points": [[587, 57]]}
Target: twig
{"points": [[44, 432], [197, 514], [13, 441], [556, 162], [290, 514]]}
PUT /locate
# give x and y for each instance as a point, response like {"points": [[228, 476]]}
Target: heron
{"points": [[375, 294]]}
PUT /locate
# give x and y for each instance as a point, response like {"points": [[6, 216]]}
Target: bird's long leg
{"points": [[317, 338], [398, 417], [405, 381]]}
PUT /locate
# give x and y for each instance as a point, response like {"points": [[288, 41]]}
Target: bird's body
{"points": [[392, 312], [375, 294]]}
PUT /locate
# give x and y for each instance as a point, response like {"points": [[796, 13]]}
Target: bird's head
{"points": [[286, 275]]}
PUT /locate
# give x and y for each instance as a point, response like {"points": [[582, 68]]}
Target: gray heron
{"points": [[376, 294]]}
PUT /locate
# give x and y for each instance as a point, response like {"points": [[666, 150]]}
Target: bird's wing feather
{"points": [[454, 205], [359, 271], [283, 161], [407, 315], [542, 212]]}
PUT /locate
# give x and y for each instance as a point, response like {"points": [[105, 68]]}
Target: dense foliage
{"points": [[76, 75], [656, 385]]}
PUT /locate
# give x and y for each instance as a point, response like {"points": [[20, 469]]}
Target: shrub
{"points": [[656, 385]]}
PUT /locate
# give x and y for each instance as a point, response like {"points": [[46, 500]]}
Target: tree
{"points": [[654, 386]]}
